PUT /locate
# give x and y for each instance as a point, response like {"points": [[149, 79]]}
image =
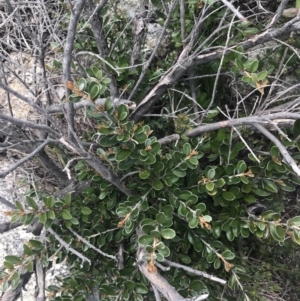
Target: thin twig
{"points": [[22, 161], [92, 246], [67, 246], [278, 14], [193, 271], [148, 63], [280, 146], [234, 10]]}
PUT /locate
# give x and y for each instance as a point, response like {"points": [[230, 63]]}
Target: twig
{"points": [[278, 14], [22, 161], [67, 170], [93, 247], [101, 42], [174, 74], [193, 271], [67, 246], [156, 293], [57, 108], [280, 146], [100, 58], [67, 60], [163, 268], [234, 10], [218, 72], [148, 63]]}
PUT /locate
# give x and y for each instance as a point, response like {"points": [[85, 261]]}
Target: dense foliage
{"points": [[184, 184]]}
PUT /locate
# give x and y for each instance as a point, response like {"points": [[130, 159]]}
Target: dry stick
{"points": [[278, 14], [230, 123], [93, 247], [67, 246], [234, 10], [30, 102], [265, 104], [193, 271], [191, 81], [22, 161], [174, 74], [99, 36], [67, 60], [161, 284], [40, 279], [219, 70], [280, 146], [148, 63], [57, 108], [138, 34], [7, 93], [99, 6], [156, 293], [29, 124]]}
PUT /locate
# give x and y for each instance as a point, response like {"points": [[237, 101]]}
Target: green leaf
{"points": [[228, 255], [249, 32], [239, 64], [85, 210], [107, 290], [269, 185], [184, 258], [197, 286], [8, 265], [36, 243], [296, 236], [193, 223], [109, 105], [129, 285], [15, 279], [66, 214], [210, 186], [19, 205], [31, 203], [146, 239], [27, 250], [43, 217], [141, 288], [157, 184], [168, 233], [144, 174], [295, 221], [277, 233], [253, 67], [260, 192], [232, 282], [228, 196], [79, 297], [68, 199], [296, 128], [187, 149], [262, 75], [94, 90], [241, 166], [122, 154], [13, 259]]}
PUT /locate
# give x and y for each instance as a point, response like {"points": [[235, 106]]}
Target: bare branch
{"points": [[176, 72], [231, 123], [22, 161], [96, 23], [278, 14], [148, 63], [234, 10], [289, 160], [67, 246], [67, 65], [196, 272], [92, 247]]}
